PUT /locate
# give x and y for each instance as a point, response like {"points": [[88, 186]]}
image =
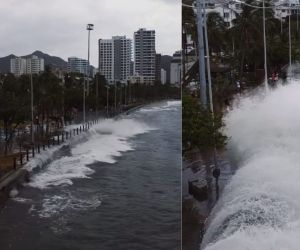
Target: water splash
{"points": [[103, 143], [260, 208]]}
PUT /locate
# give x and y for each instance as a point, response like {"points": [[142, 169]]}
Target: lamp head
{"points": [[90, 26]]}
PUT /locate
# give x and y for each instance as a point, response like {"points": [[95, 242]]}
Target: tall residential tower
{"points": [[115, 58], [144, 54]]}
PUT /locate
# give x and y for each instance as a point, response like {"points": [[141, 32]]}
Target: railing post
{"points": [[15, 163], [58, 139], [27, 154], [21, 159], [33, 152], [39, 150]]}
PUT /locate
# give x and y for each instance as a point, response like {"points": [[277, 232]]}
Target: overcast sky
{"points": [[58, 27]]}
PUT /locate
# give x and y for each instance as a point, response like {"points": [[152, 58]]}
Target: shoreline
{"points": [[37, 158]]}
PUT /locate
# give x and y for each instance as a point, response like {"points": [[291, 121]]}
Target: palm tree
{"points": [[216, 30], [248, 35]]}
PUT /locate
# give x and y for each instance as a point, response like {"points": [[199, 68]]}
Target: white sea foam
{"points": [[260, 208], [174, 103], [54, 205], [103, 143], [168, 106]]}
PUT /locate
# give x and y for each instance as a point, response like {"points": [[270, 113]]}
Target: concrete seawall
{"points": [[12, 180]]}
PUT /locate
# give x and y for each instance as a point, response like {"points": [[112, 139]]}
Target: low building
{"points": [[77, 65], [163, 78], [136, 79], [158, 67], [175, 68]]}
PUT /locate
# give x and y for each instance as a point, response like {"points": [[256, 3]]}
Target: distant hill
{"points": [[165, 64], [52, 61], [5, 63]]}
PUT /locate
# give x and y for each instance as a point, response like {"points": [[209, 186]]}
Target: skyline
{"points": [[55, 27]]}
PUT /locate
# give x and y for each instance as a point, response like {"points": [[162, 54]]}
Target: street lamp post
{"points": [[125, 101], [297, 19], [107, 92], [31, 93], [97, 95], [265, 46], [201, 53], [89, 27], [120, 98], [290, 42], [115, 96]]}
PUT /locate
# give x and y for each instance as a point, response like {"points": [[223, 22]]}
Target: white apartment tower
{"points": [[115, 58], [144, 54], [35, 65], [20, 66]]}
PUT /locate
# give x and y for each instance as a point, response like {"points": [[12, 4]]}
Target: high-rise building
{"points": [[106, 59], [77, 65], [158, 67], [175, 68], [20, 66], [35, 65], [144, 54], [115, 58]]}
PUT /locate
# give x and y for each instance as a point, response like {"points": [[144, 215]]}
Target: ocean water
{"points": [[115, 187]]}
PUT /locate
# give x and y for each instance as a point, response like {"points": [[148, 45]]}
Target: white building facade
{"points": [[163, 76], [175, 68], [115, 58], [284, 8], [20, 66], [35, 65], [227, 9], [145, 54]]}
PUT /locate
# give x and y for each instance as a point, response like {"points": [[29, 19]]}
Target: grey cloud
{"points": [[57, 27]]}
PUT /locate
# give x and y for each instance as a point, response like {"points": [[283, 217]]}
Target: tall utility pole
{"points": [[125, 101], [265, 47], [201, 53], [107, 92], [121, 96], [281, 20], [290, 40], [297, 20], [115, 96], [97, 94], [83, 101], [208, 65], [31, 92], [89, 27]]}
